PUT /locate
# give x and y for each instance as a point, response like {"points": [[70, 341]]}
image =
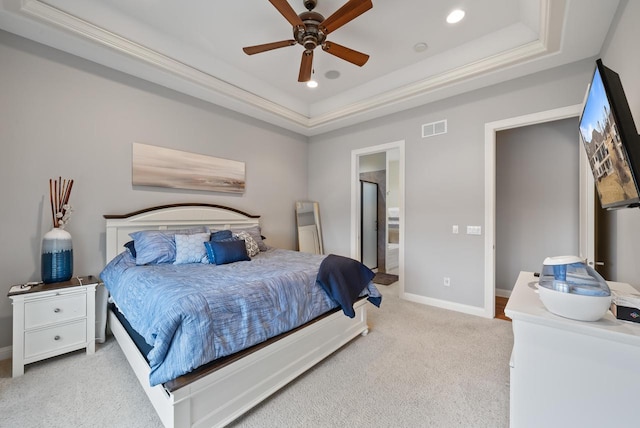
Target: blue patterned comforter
{"points": [[194, 313]]}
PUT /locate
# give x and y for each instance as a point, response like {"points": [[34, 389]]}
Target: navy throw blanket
{"points": [[344, 279]]}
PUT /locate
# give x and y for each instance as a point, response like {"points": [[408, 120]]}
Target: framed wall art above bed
{"points": [[162, 167], [217, 392]]}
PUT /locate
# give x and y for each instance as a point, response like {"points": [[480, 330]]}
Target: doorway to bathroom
{"points": [[377, 210]]}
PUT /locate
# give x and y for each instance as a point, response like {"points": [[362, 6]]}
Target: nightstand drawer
{"points": [[57, 337], [53, 310]]}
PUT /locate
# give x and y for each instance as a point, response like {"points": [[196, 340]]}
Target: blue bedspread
{"points": [[194, 313]]}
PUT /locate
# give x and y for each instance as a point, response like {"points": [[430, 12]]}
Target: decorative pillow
{"points": [[254, 231], [221, 235], [158, 246], [132, 249], [190, 248], [228, 251], [252, 246]]}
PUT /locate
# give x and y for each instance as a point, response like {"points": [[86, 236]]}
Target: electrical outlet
{"points": [[454, 228], [447, 281]]}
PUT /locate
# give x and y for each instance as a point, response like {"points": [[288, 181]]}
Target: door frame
{"points": [[586, 240], [355, 201]]}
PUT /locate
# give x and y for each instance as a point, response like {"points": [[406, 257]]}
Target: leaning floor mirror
{"points": [[309, 229]]}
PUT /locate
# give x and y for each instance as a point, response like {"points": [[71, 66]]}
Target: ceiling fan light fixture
{"points": [[455, 16], [312, 84], [310, 30]]}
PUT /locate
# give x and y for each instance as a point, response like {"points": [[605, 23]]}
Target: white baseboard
{"points": [[501, 292], [458, 307], [5, 353]]}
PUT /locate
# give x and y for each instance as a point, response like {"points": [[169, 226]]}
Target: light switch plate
{"points": [[474, 230]]}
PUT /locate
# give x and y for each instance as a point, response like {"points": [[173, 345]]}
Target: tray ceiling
{"points": [[195, 47]]}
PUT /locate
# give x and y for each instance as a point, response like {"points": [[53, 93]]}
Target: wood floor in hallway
{"points": [[501, 302]]}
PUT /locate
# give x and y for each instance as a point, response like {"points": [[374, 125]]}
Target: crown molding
{"points": [[79, 27], [514, 56], [209, 88]]}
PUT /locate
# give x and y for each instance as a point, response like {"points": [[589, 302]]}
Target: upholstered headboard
{"points": [[176, 216]]}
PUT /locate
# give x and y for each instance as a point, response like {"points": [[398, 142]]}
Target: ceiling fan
{"points": [[310, 29]]}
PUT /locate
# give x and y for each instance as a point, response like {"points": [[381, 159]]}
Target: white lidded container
{"points": [[570, 288]]}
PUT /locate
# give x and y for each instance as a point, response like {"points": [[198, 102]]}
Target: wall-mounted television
{"points": [[611, 140]]}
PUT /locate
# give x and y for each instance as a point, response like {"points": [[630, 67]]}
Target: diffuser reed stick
{"points": [[59, 194]]}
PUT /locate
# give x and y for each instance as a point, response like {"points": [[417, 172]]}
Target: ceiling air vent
{"points": [[434, 128]]}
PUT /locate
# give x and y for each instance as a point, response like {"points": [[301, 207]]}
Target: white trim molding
{"points": [[445, 304]]}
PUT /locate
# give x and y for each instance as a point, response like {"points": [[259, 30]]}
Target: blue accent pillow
{"points": [[255, 233], [209, 251], [227, 251], [131, 247], [221, 235]]}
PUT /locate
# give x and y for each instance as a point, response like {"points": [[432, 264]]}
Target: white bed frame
{"points": [[228, 392]]}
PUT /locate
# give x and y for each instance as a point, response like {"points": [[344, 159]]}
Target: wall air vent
{"points": [[434, 128]]}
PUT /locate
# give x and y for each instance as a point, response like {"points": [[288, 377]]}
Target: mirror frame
{"points": [[309, 238]]}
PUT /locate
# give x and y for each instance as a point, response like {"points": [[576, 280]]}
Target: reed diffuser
{"points": [[57, 248]]}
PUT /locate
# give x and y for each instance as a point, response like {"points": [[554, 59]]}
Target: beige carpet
{"points": [[418, 367]]}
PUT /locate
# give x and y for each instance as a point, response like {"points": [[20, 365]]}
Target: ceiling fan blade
{"points": [[251, 50], [348, 12], [305, 66], [354, 57], [287, 11]]}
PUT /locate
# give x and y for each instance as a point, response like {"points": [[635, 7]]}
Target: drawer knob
{"points": [[56, 338], [56, 310]]}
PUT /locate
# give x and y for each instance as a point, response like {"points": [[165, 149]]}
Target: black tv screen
{"points": [[611, 141]]}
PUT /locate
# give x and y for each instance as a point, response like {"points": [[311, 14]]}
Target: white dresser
{"points": [[53, 319], [567, 373]]}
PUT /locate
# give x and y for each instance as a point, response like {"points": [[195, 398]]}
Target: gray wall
{"points": [[537, 197], [63, 116], [620, 53], [444, 176]]}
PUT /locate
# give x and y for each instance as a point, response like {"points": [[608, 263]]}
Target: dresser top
{"points": [[525, 305]]}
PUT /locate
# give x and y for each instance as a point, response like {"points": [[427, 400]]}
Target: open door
{"points": [[369, 224], [602, 247], [595, 223]]}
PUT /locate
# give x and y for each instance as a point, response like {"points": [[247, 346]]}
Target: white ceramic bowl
{"points": [[574, 306]]}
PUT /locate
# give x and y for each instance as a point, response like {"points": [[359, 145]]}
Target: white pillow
{"points": [[190, 248], [251, 244]]}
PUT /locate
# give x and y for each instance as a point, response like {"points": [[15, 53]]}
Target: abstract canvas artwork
{"points": [[161, 167]]}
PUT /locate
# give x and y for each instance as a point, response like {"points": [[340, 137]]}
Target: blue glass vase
{"points": [[57, 256]]}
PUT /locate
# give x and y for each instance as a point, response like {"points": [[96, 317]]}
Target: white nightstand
{"points": [[53, 319]]}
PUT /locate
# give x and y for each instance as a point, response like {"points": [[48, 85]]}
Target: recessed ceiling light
{"points": [[312, 84], [420, 47], [332, 74], [455, 16]]}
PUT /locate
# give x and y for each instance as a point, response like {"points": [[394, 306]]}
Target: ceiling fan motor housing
{"points": [[310, 36]]}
